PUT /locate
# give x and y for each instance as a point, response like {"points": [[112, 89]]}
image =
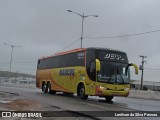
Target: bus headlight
{"points": [[99, 90], [102, 88]]}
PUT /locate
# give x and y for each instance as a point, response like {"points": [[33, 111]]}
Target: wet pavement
{"points": [[60, 102], [7, 97]]}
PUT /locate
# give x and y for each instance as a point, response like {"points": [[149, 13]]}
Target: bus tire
{"points": [[49, 90], [109, 98], [44, 88], [81, 92]]}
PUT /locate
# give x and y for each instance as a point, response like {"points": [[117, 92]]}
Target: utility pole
{"points": [[12, 46], [82, 16], [141, 67]]}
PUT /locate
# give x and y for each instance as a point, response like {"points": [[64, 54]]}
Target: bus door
{"points": [[94, 70], [92, 82]]}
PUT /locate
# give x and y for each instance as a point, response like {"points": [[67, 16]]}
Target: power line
{"points": [[151, 69], [129, 35], [69, 45], [83, 17], [119, 36], [4, 63], [29, 62]]}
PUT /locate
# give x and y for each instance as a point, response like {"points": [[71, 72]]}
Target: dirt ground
{"points": [[14, 102], [22, 105]]}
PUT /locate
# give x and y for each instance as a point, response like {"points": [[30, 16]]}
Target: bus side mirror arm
{"points": [[98, 65], [135, 66]]}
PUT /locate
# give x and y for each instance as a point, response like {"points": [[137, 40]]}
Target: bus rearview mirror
{"points": [[98, 65], [135, 66]]}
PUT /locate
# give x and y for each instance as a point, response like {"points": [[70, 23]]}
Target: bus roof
{"points": [[81, 49], [105, 49], [65, 52]]}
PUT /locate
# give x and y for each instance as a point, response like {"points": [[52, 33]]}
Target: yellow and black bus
{"points": [[86, 71]]}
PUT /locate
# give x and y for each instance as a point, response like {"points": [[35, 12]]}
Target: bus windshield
{"points": [[113, 72]]}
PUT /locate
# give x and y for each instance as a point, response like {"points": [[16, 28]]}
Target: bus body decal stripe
{"points": [[57, 85]]}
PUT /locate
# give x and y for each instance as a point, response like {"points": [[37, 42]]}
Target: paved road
{"points": [[60, 102]]}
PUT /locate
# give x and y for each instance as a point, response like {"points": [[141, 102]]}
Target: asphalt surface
{"points": [[61, 102]]}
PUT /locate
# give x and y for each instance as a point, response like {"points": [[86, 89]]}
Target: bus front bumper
{"points": [[103, 92]]}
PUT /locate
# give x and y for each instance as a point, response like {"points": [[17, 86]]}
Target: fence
{"points": [[145, 94], [18, 82]]}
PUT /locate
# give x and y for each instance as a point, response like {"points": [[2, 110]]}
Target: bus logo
{"points": [[114, 57], [66, 72]]}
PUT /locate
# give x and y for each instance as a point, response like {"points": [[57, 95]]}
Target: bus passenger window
{"points": [[38, 62]]}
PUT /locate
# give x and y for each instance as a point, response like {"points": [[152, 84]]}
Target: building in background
{"points": [[147, 85]]}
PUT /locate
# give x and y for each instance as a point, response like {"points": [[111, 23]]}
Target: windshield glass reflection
{"points": [[112, 72]]}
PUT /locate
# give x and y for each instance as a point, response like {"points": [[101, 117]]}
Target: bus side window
{"points": [[38, 65], [93, 71]]}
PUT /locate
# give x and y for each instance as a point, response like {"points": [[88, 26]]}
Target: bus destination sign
{"points": [[112, 56]]}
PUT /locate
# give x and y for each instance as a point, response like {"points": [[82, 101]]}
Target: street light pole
{"points": [[12, 46], [82, 29], [82, 16], [142, 68]]}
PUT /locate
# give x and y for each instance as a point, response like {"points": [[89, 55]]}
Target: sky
{"points": [[44, 27]]}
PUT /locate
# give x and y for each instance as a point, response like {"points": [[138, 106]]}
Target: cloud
{"points": [[45, 27]]}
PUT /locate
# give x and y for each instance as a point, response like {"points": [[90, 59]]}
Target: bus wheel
{"points": [[44, 90], [109, 98], [49, 90], [82, 92]]}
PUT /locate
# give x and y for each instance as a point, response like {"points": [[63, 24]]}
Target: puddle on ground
{"points": [[4, 101], [6, 97]]}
